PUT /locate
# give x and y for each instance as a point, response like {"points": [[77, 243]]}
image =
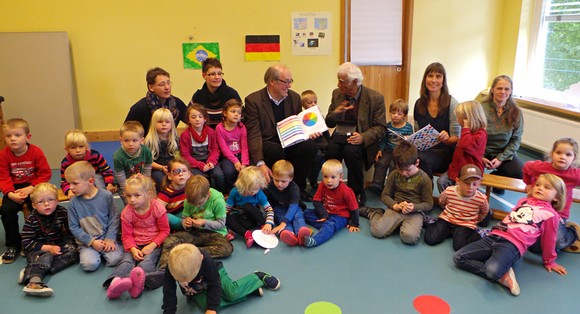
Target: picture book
{"points": [[424, 139], [297, 128]]}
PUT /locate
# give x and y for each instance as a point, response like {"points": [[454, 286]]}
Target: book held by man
{"points": [[297, 128], [424, 139]]}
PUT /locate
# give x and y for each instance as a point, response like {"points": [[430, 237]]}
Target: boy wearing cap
{"points": [[463, 207], [207, 282]]}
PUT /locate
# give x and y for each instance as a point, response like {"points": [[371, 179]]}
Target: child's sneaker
{"points": [[154, 280], [427, 220], [575, 246], [118, 286], [269, 281], [37, 289], [230, 236], [367, 212], [249, 238], [288, 237], [508, 280], [137, 277], [309, 241], [259, 292], [303, 232], [483, 232], [9, 255]]}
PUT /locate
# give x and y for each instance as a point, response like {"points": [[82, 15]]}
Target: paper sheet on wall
{"points": [[311, 33]]}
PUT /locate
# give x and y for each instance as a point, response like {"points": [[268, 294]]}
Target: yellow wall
{"points": [[475, 40], [114, 43]]}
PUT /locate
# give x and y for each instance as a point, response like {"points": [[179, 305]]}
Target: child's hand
{"points": [[165, 170], [280, 227], [379, 155], [321, 220], [208, 167], [149, 248], [17, 197], [187, 222], [267, 228], [559, 269], [398, 207], [198, 222], [98, 245], [52, 249], [238, 166], [137, 254], [495, 163], [25, 191], [353, 228], [109, 245], [111, 188], [408, 208]]}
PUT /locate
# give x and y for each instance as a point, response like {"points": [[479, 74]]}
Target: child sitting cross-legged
{"points": [[463, 207], [408, 193], [46, 240], [204, 221], [335, 206], [207, 282], [144, 226]]}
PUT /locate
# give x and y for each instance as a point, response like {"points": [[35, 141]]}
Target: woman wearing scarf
{"points": [[158, 96]]}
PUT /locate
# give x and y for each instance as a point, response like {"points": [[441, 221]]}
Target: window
{"points": [[552, 74]]}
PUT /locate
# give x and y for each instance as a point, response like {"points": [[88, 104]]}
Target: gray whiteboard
{"points": [[36, 78]]}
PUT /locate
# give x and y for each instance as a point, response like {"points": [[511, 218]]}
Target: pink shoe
{"points": [[303, 232], [137, 282], [288, 237], [249, 238], [118, 286], [230, 235]]}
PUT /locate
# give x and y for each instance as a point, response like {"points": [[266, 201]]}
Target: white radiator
{"points": [[541, 129]]}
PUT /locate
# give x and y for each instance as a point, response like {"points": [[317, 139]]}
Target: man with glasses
{"points": [[215, 92], [158, 96], [364, 109], [263, 109]]}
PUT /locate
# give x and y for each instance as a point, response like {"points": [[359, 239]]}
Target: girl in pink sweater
{"points": [[144, 227], [533, 218]]}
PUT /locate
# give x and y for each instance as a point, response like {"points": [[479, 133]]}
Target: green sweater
{"points": [[503, 140], [213, 211]]}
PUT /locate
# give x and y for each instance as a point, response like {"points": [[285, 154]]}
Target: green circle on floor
{"points": [[322, 307]]}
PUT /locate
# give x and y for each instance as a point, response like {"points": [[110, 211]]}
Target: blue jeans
{"points": [[216, 175], [566, 236], [491, 257], [326, 229], [230, 174], [295, 224], [90, 259], [158, 176], [127, 264], [444, 181]]}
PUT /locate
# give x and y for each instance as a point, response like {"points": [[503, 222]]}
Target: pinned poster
{"points": [[311, 33], [262, 47], [195, 53]]}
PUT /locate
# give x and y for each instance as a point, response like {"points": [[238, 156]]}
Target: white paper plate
{"points": [[267, 241]]}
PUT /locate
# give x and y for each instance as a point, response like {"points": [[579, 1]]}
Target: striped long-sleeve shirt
{"points": [[463, 211], [39, 230], [235, 199], [96, 160]]}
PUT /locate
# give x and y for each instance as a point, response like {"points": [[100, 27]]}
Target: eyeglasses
{"points": [[287, 82], [212, 74], [178, 171], [47, 201], [163, 84]]}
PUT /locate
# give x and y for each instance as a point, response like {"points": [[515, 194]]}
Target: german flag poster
{"points": [[262, 47], [195, 53]]}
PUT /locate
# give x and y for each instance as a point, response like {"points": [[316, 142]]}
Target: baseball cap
{"points": [[470, 171]]}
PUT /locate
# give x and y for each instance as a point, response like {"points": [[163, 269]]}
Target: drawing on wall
{"points": [[195, 53], [262, 47], [311, 33]]}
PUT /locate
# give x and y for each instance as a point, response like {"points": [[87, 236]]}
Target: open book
{"points": [[424, 139], [297, 128]]}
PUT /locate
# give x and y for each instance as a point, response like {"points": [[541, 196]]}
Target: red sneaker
{"points": [[508, 280], [230, 236], [303, 232], [288, 237], [249, 238]]}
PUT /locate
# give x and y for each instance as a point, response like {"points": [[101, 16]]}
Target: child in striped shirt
{"points": [[464, 206]]}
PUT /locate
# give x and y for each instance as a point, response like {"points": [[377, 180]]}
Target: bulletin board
{"points": [[37, 82]]}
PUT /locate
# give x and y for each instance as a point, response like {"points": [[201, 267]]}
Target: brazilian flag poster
{"points": [[195, 53]]}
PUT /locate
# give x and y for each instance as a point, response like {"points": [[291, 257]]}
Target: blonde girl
{"points": [[163, 141], [470, 146], [534, 218], [172, 193], [247, 203], [144, 227], [561, 163], [232, 139], [198, 145]]}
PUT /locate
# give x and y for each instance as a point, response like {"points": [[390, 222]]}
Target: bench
{"points": [[26, 210], [506, 183]]}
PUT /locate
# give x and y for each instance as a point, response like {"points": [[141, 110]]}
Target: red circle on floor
{"points": [[430, 304]]}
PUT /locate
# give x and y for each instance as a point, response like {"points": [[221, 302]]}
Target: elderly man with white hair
{"points": [[362, 110]]}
